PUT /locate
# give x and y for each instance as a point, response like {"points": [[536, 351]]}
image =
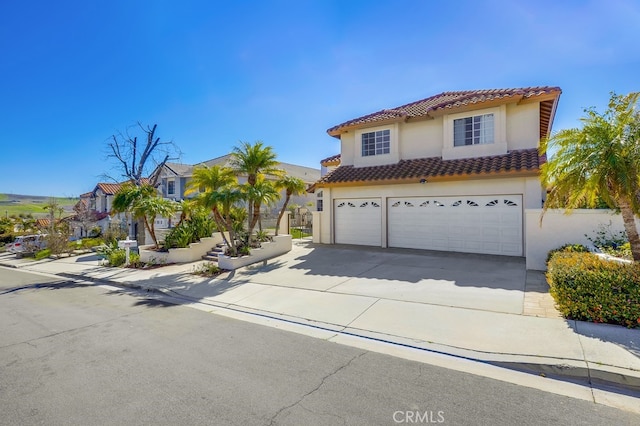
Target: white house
{"points": [[452, 172]]}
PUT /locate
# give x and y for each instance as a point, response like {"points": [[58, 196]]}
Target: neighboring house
{"points": [[329, 164], [94, 209], [451, 172], [86, 218], [174, 178]]}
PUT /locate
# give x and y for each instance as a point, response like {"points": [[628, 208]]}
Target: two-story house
{"points": [[451, 172], [174, 178]]}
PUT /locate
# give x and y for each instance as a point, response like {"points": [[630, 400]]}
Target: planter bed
{"points": [[281, 244], [194, 252]]}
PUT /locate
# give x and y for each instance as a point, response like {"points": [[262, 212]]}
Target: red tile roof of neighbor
{"points": [[521, 162], [112, 188], [331, 161], [446, 102]]}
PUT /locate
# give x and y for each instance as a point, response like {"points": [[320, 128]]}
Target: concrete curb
{"points": [[576, 371]]}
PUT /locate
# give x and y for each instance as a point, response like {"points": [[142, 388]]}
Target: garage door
{"points": [[358, 221], [472, 224]]}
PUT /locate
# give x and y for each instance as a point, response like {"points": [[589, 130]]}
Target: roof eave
{"points": [[445, 110], [345, 129], [431, 178]]}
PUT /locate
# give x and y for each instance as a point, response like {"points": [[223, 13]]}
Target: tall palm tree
{"points": [[292, 186], [254, 160], [207, 182], [209, 179], [599, 160]]}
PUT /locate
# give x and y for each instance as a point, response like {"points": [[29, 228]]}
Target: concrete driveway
{"points": [[481, 282]]}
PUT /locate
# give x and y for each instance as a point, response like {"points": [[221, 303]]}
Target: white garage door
{"points": [[358, 221], [473, 224]]}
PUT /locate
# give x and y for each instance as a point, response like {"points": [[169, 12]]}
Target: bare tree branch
{"points": [[136, 163]]}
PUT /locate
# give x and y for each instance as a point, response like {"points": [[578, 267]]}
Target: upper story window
{"points": [[475, 130], [171, 187], [376, 143]]}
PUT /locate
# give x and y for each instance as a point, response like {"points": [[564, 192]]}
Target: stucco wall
{"points": [[421, 139], [558, 229], [516, 127], [347, 147], [523, 124]]}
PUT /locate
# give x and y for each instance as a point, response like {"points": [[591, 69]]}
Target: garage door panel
{"points": [[358, 221], [476, 224]]}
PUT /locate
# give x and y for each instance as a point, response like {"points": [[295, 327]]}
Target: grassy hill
{"points": [[16, 204]]}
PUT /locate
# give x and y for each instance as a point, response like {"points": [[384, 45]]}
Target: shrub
{"points": [[114, 233], [208, 269], [199, 225], [614, 243], [43, 254], [567, 248], [87, 243], [263, 236], [116, 258], [179, 237], [589, 288]]}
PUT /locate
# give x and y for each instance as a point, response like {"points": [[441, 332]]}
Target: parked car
{"points": [[27, 244]]}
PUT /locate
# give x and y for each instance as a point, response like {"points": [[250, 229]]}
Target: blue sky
{"points": [[210, 74]]}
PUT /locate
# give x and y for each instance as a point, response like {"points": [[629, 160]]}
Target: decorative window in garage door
{"points": [[346, 204], [369, 203], [509, 203]]}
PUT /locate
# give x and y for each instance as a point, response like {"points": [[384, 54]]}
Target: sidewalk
{"points": [[360, 303]]}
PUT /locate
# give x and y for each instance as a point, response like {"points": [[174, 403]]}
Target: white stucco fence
{"points": [[558, 229]]}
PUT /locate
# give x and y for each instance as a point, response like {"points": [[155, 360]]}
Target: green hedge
{"points": [[589, 288]]}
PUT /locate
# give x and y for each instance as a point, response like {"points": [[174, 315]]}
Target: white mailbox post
{"points": [[126, 245]]}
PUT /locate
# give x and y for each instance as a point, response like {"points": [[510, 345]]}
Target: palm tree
{"points": [[124, 198], [225, 199], [148, 208], [207, 182], [599, 161], [254, 160], [209, 179], [292, 186], [263, 192], [143, 203]]}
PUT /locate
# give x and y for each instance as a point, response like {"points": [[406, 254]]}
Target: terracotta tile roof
{"points": [[519, 162], [331, 161], [112, 188], [446, 101], [42, 223]]}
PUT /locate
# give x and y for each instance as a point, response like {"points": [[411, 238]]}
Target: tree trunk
{"points": [[253, 221], [151, 229], [222, 225], [232, 236], [284, 208], [628, 218]]}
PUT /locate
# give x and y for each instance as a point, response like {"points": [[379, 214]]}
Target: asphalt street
{"points": [[77, 353]]}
